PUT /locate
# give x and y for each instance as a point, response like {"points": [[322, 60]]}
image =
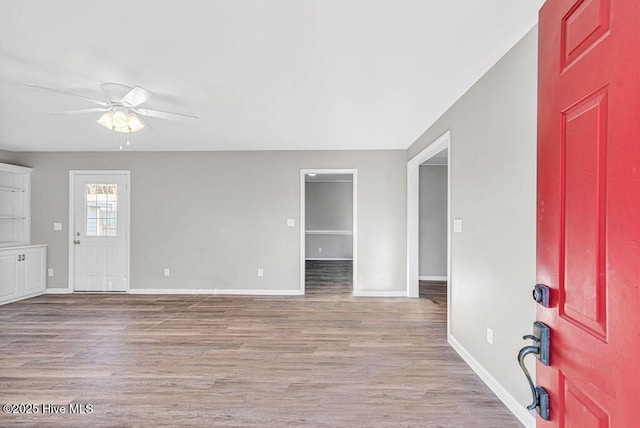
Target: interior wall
{"points": [[493, 190], [321, 247], [6, 156], [214, 218], [329, 207], [433, 221]]}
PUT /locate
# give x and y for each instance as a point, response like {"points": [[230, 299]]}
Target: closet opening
{"points": [[328, 232]]}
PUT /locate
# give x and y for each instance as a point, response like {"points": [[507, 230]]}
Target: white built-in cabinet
{"points": [[22, 265], [22, 272]]}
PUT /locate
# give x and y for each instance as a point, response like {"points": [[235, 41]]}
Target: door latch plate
{"points": [[543, 403], [541, 333]]}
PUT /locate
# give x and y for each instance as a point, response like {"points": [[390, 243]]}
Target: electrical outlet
{"points": [[167, 272], [49, 272], [319, 250], [291, 222], [57, 226], [260, 272], [490, 335], [457, 225]]}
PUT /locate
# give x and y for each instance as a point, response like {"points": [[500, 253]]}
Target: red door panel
{"points": [[582, 291], [588, 219]]}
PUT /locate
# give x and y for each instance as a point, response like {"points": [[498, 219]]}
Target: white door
{"points": [[100, 231]]}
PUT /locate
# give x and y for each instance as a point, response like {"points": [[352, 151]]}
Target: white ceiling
{"points": [[261, 75]]}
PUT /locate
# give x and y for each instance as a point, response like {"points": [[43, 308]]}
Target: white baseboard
{"points": [[328, 258], [215, 291], [212, 291], [379, 293], [17, 299], [237, 292], [57, 291], [518, 410], [432, 278]]}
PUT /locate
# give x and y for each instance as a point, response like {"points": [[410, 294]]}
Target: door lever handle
{"points": [[540, 397], [77, 242], [521, 356]]}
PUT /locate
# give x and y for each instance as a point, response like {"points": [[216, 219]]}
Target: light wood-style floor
{"points": [[323, 360]]}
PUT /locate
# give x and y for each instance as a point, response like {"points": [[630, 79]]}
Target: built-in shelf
{"points": [[23, 266], [11, 189], [15, 214], [11, 244], [329, 232]]}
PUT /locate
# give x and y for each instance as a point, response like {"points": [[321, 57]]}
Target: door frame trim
{"points": [[413, 217], [303, 173], [72, 199]]}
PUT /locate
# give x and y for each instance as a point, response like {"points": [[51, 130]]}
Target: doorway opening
{"points": [[328, 232], [99, 231], [429, 223], [432, 227]]}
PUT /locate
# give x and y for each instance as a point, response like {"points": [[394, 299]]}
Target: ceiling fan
{"points": [[122, 112]]}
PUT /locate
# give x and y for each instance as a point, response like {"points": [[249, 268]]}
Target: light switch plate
{"points": [[260, 272], [457, 225], [57, 226], [167, 272], [49, 272], [291, 222]]}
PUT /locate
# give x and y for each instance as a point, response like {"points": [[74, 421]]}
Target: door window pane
{"points": [[102, 209]]}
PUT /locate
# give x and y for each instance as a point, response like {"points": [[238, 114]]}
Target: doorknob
{"points": [[540, 349]]}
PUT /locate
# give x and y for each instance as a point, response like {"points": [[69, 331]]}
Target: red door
{"points": [[588, 249]]}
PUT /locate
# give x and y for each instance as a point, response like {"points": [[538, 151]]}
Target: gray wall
{"points": [[493, 189], [214, 218], [6, 156], [332, 246], [329, 206], [433, 220]]}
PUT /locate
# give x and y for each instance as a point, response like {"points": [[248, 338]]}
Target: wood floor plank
{"points": [[323, 360]]}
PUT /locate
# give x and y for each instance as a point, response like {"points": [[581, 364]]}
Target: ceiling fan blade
{"points": [[80, 111], [178, 117], [102, 103], [136, 96]]}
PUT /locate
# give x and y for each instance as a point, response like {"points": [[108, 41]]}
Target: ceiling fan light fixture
{"points": [[134, 123], [121, 112], [106, 120], [120, 121]]}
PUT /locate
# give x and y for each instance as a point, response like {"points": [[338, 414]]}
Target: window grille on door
{"points": [[102, 210]]}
